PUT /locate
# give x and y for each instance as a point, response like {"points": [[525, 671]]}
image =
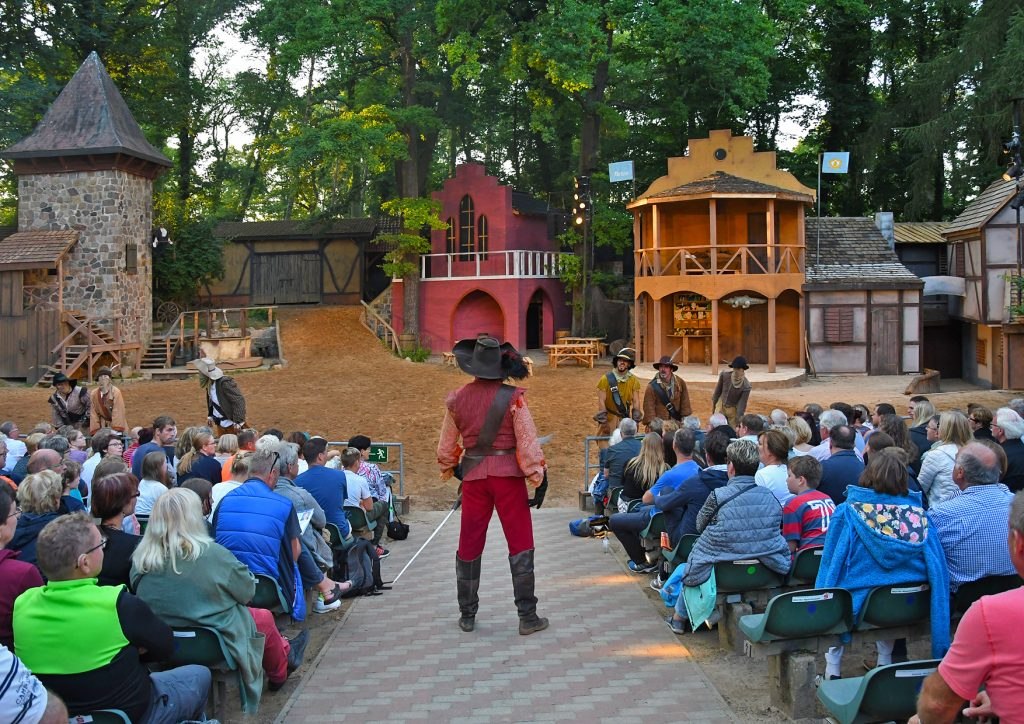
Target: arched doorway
{"points": [[535, 321], [478, 313]]}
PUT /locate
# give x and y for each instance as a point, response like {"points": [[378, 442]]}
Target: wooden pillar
{"points": [[713, 240], [771, 240], [771, 334], [714, 335], [802, 315], [656, 339], [801, 240], [655, 240]]}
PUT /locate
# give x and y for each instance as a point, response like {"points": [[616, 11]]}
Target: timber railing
{"points": [[379, 326], [205, 320], [720, 259]]}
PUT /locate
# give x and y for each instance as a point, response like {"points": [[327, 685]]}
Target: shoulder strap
{"points": [[724, 503], [663, 396], [613, 386], [495, 414]]}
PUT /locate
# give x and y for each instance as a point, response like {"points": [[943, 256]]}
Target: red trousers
{"points": [[480, 498], [275, 646]]}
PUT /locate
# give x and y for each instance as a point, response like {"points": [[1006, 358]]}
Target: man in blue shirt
{"points": [[327, 486], [842, 468], [627, 526], [165, 432], [972, 526]]}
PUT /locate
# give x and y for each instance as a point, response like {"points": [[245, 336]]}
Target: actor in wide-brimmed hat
{"points": [[68, 405], [618, 394], [666, 396], [490, 421], [225, 405], [731, 392], [106, 404]]}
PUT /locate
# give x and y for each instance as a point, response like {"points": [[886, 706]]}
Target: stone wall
{"points": [[110, 209]]}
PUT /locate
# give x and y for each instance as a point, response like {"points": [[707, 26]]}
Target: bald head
{"points": [[43, 460], [976, 464]]}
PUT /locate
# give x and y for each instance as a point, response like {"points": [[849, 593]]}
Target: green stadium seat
{"points": [[745, 575], [801, 615], [805, 566], [886, 693]]}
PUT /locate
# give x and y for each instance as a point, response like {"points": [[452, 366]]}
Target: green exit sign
{"points": [[378, 454]]}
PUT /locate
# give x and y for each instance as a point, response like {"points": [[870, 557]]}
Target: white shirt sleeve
{"points": [[22, 695]]}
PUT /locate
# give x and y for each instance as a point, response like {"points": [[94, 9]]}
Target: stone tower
{"points": [[87, 167]]}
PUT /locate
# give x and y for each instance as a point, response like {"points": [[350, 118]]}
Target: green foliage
{"points": [[194, 259], [613, 227], [416, 353], [416, 214]]}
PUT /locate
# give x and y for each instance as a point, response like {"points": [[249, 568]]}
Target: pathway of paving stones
{"points": [[606, 656]]}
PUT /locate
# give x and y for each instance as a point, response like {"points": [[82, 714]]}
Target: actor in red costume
{"points": [[499, 454]]}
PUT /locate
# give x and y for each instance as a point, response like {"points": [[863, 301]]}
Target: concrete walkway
{"points": [[607, 655]]}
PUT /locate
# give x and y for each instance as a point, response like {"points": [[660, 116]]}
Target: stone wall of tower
{"points": [[110, 209]]}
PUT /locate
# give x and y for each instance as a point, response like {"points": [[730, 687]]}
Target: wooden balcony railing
{"points": [[720, 259]]}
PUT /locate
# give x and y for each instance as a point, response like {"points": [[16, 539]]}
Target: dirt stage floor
{"points": [[340, 381]]}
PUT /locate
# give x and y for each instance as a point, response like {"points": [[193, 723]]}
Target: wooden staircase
{"points": [[86, 345], [155, 357]]}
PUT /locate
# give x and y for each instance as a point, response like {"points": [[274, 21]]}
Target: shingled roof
{"points": [[983, 208], [35, 249], [853, 255], [523, 203], [301, 229], [88, 118], [919, 232], [723, 183]]}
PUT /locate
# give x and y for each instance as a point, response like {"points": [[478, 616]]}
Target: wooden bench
{"points": [[581, 352], [448, 359]]}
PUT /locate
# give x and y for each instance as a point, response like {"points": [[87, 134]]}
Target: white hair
{"points": [[691, 422], [268, 442], [1011, 423], [779, 417], [627, 427], [831, 418], [717, 420]]}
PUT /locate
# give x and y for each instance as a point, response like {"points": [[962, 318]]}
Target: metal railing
{"points": [[398, 474], [588, 465], [720, 259], [515, 264]]}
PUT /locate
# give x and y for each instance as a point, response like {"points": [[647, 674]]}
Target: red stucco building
{"points": [[493, 269]]}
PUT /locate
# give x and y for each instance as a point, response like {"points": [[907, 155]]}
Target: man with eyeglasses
{"points": [[84, 641]]}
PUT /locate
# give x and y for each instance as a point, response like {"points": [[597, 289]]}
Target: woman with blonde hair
{"points": [[39, 499], [199, 462], [644, 470], [227, 446], [936, 476], [190, 580], [801, 446]]}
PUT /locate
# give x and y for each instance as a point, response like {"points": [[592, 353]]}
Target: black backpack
{"points": [[362, 567]]}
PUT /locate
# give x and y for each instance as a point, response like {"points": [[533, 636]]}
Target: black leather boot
{"points": [[522, 587], [467, 578]]}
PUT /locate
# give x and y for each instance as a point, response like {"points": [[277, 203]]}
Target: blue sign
{"points": [[620, 171], [835, 162]]}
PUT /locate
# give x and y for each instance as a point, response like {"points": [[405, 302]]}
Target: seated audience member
{"points": [[275, 433], [895, 427], [227, 445], [71, 496], [359, 496], [882, 408], [805, 517], [316, 555], [83, 641], [692, 423], [5, 479], [16, 576], [105, 443], [77, 443], [643, 471], [132, 440], [861, 420], [239, 474], [802, 435], [923, 412], [749, 427], [773, 450], [627, 526], [165, 432], [199, 462], [39, 499], [113, 500], [1007, 430], [738, 520], [681, 505], [778, 417], [300, 439], [202, 488], [189, 580], [55, 442], [328, 487], [880, 441], [979, 418], [153, 483], [267, 542], [668, 430], [985, 664], [971, 525], [16, 449], [878, 537], [617, 454], [829, 419], [20, 470], [849, 412], [246, 444], [23, 698], [378, 487], [842, 467], [936, 476]]}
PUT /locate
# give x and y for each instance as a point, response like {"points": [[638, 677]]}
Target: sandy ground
{"points": [[339, 381]]}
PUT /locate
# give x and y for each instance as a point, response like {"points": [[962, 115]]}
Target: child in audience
{"points": [[805, 518]]}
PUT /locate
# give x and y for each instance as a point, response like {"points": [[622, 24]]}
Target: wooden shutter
{"points": [[838, 325]]}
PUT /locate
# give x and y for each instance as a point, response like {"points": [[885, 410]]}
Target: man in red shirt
{"points": [[988, 651]]}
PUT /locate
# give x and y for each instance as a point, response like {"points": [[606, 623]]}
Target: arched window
{"points": [[466, 219], [481, 236], [449, 237]]}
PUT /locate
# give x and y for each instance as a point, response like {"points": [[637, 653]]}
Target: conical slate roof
{"points": [[88, 118]]}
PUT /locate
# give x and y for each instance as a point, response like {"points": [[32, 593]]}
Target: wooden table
{"points": [[581, 352], [600, 347]]}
